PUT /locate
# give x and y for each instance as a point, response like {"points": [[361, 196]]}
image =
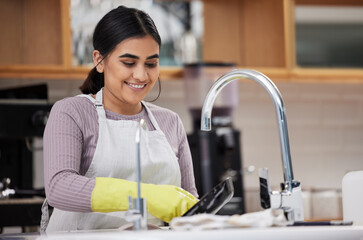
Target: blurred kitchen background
{"points": [[312, 51]]}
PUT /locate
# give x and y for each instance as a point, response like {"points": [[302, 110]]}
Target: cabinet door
{"points": [[248, 33], [31, 32]]}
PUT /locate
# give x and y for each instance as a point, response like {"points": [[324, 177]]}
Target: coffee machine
{"points": [[216, 154]]}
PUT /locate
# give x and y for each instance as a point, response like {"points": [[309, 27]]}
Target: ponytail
{"points": [[93, 83]]}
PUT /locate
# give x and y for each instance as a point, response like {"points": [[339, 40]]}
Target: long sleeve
{"points": [[65, 187]]}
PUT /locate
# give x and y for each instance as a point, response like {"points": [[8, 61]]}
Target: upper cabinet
{"points": [[31, 33], [261, 34], [249, 33], [35, 39]]}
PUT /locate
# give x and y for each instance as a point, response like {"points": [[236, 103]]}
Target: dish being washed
{"points": [[214, 200]]}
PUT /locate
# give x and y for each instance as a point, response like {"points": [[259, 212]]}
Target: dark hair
{"points": [[117, 25]]}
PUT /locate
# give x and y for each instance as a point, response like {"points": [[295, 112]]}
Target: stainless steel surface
{"points": [[275, 95], [139, 204], [276, 98], [142, 126]]}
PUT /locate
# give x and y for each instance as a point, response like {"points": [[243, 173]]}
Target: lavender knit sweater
{"points": [[70, 140]]}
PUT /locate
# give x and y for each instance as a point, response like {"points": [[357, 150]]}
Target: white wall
{"points": [[325, 123]]}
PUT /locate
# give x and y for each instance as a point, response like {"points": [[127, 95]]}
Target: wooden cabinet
{"points": [[249, 33], [35, 39], [31, 33], [260, 34]]}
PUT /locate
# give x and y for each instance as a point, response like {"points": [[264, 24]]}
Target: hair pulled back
{"points": [[117, 25]]}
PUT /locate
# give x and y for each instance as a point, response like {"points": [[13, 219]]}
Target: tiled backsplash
{"points": [[325, 123]]}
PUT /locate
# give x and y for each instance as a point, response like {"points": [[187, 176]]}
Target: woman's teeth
{"points": [[135, 85]]}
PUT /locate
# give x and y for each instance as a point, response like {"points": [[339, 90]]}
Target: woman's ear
{"points": [[97, 60]]}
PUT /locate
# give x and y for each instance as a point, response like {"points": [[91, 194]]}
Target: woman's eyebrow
{"points": [[153, 56], [128, 55]]}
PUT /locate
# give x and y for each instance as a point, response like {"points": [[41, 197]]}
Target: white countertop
{"points": [[278, 233]]}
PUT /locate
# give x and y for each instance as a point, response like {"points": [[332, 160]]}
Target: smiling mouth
{"points": [[138, 86]]}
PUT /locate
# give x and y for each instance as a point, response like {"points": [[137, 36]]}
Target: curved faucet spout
{"points": [[275, 95]]}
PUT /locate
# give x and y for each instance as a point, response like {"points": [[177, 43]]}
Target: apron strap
{"points": [[99, 105], [45, 217], [97, 102], [151, 116]]}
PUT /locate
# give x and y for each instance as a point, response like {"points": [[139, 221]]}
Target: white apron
{"points": [[115, 157]]}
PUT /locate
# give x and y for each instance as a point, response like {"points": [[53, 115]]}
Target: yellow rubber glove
{"points": [[163, 201]]}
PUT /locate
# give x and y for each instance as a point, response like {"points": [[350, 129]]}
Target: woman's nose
{"points": [[140, 73]]}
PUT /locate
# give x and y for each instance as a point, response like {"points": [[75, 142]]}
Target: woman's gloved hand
{"points": [[163, 201]]}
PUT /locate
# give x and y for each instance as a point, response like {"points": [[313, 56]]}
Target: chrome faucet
{"points": [[137, 206], [290, 198]]}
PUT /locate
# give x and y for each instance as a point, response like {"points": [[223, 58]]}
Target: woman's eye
{"points": [[129, 64], [151, 65]]}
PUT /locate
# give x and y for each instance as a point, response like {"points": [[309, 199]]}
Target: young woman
{"points": [[89, 140]]}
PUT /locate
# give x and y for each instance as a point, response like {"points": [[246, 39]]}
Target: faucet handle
{"points": [[290, 201], [264, 188]]}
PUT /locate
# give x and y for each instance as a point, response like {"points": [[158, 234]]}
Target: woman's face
{"points": [[130, 72]]}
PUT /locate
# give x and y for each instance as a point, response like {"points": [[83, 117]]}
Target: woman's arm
{"points": [[65, 188]]}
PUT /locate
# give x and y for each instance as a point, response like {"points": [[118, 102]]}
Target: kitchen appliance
{"points": [[24, 113], [216, 154]]}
